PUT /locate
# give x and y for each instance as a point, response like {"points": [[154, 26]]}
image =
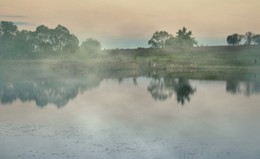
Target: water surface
{"points": [[142, 117]]}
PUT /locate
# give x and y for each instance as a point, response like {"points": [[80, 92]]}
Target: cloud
{"points": [[23, 24], [12, 16]]}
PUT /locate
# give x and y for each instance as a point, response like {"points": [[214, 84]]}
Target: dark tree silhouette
{"points": [[249, 38], [234, 39], [42, 40], [8, 32], [158, 39], [54, 40], [91, 46], [184, 38], [63, 40], [163, 39], [256, 39], [24, 42], [171, 42]]}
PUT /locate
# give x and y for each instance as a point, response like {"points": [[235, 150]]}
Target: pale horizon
{"points": [[130, 24]]}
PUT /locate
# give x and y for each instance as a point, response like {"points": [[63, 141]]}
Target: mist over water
{"points": [[98, 79], [142, 117]]}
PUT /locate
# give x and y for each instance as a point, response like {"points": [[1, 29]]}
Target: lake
{"points": [[150, 117]]}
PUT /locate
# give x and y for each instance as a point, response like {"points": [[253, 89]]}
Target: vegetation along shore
{"points": [[167, 52]]}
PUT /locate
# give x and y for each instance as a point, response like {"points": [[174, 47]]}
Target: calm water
{"points": [[150, 118]]}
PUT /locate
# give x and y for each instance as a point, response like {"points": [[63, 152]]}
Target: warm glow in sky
{"points": [[131, 23]]}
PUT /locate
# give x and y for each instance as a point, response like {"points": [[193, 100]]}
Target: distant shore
{"points": [[218, 62]]}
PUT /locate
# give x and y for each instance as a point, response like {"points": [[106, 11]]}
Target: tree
{"points": [[234, 39], [41, 39], [24, 42], [63, 40], [7, 29], [171, 42], [54, 40], [91, 46], [256, 39], [184, 38], [8, 32], [249, 38], [1, 30], [158, 39]]}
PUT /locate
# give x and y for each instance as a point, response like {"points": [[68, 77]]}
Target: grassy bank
{"points": [[138, 62], [241, 57]]}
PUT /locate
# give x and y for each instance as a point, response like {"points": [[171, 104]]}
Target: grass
{"points": [[206, 61], [217, 57]]}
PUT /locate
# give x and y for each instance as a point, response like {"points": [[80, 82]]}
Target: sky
{"points": [[131, 23]]}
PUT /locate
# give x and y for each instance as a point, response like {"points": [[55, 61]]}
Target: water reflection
{"points": [[247, 88], [114, 120], [232, 86], [163, 88], [44, 92]]}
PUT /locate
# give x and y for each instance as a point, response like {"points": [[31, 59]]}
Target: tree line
{"points": [[248, 38], [42, 40], [60, 40], [163, 39]]}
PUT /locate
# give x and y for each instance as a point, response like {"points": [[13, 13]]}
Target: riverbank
{"points": [[216, 57], [139, 62]]}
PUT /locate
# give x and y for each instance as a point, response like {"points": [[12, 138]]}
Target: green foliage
{"points": [[234, 39], [91, 46], [163, 39], [7, 29], [63, 40], [24, 42], [8, 32], [249, 38], [184, 39], [54, 40], [171, 42], [41, 41], [256, 39], [159, 39]]}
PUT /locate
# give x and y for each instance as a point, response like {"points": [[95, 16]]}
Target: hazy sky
{"points": [[131, 23]]}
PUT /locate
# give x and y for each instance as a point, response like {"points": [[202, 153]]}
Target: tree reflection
{"points": [[232, 86], [252, 88], [44, 92], [163, 88], [158, 89], [243, 87], [183, 90], [135, 81]]}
